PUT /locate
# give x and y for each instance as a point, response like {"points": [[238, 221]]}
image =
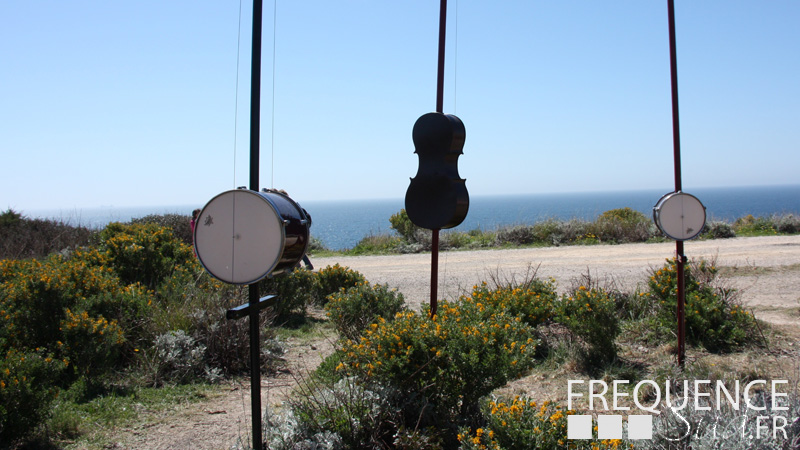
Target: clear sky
{"points": [[134, 103]]}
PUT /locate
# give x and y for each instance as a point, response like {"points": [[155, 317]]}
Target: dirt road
{"points": [[767, 269]]}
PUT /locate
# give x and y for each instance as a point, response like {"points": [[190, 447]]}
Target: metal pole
{"points": [[434, 271], [676, 142], [442, 40], [255, 135], [439, 108], [681, 312]]}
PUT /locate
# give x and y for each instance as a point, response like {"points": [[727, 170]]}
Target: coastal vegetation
{"points": [[126, 316], [616, 226]]}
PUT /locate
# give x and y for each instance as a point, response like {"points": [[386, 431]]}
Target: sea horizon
{"points": [[340, 224]]}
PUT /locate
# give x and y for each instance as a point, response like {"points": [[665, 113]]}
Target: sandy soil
{"points": [[773, 285], [765, 269]]}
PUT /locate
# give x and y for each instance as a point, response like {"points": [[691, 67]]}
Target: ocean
{"points": [[341, 224]]}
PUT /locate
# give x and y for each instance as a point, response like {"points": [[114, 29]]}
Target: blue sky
{"points": [[135, 103]]}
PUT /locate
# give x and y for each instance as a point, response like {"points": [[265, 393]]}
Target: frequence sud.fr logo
{"points": [[760, 406]]}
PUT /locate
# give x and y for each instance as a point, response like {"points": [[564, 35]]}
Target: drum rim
{"points": [[657, 214], [281, 228]]}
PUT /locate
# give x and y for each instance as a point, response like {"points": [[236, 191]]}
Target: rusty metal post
{"points": [[676, 142], [680, 263], [440, 109]]}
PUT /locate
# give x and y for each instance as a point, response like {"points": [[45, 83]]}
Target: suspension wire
{"points": [[274, 52], [236, 99]]}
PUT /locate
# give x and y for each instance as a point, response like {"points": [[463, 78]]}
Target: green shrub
{"points": [[145, 253], [316, 245], [547, 232], [591, 314], [353, 309], [714, 319], [333, 278], [516, 235], [26, 391], [179, 224], [21, 237], [40, 298], [340, 414], [754, 226], [404, 226], [623, 225], [441, 366], [295, 291], [718, 230], [534, 300], [787, 224], [91, 344], [377, 244], [181, 359]]}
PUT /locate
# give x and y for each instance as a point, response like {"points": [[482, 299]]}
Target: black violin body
{"points": [[437, 197]]}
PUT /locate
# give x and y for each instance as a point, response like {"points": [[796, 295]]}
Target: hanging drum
{"points": [[242, 236], [680, 216]]}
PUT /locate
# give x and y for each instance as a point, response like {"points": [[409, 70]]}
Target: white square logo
{"points": [[609, 427], [579, 427], [640, 427]]}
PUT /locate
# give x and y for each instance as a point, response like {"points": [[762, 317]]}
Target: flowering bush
{"points": [[352, 310], [713, 317], [92, 344], [146, 252], [26, 391], [333, 278], [446, 363], [534, 301], [591, 314], [70, 307], [522, 424]]}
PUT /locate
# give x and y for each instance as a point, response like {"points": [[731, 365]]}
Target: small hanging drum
{"points": [[680, 216], [242, 236]]}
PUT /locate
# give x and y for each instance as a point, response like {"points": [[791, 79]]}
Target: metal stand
{"points": [[434, 271], [255, 136], [676, 141], [251, 310], [439, 108]]}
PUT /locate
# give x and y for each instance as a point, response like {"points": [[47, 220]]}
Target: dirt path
{"points": [[223, 420], [766, 269]]}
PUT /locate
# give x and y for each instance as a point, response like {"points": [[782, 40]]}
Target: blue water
{"points": [[341, 224]]}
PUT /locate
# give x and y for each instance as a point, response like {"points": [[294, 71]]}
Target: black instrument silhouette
{"points": [[437, 197]]}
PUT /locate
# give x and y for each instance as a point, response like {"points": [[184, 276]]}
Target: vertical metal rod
{"points": [[255, 96], [681, 312], [255, 366], [255, 136], [442, 40], [439, 108], [676, 142], [434, 271], [673, 64]]}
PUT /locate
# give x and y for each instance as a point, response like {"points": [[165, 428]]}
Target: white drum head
{"points": [[239, 237], [680, 216]]}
